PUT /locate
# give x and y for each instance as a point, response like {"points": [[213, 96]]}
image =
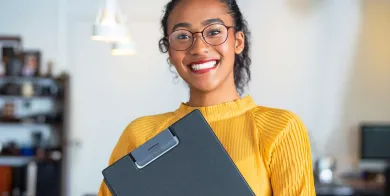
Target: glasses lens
{"points": [[180, 39], [215, 34]]}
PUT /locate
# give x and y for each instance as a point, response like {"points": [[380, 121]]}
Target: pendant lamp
{"points": [[126, 48], [110, 25]]}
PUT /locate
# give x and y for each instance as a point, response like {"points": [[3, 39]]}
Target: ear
{"points": [[240, 42]]}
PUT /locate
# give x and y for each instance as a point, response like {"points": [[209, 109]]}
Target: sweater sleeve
{"points": [[124, 145], [290, 162], [136, 133]]}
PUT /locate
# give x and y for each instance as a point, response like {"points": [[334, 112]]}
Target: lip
{"points": [[203, 71], [202, 61]]}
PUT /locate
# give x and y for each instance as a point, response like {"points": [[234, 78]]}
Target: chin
{"points": [[208, 81], [203, 87]]}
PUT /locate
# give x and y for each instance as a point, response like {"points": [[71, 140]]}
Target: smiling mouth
{"points": [[203, 67]]}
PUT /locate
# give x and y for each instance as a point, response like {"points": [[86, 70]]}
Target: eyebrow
{"points": [[182, 24], [212, 20], [204, 23]]}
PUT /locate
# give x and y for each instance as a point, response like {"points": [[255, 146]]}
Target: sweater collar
{"points": [[220, 111]]}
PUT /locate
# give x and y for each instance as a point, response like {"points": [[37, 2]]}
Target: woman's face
{"points": [[203, 66]]}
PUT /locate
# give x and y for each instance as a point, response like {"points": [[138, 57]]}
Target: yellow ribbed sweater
{"points": [[270, 146]]}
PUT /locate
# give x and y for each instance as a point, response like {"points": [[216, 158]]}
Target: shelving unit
{"points": [[35, 122]]}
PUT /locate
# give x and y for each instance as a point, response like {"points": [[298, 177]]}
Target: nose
{"points": [[199, 46]]}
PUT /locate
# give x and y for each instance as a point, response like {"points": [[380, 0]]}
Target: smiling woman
{"points": [[208, 44], [220, 31]]}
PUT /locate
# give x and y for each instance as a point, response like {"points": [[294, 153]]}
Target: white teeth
{"points": [[207, 65]]}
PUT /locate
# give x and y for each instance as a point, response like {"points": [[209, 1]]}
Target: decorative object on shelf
{"points": [[38, 145], [2, 68], [8, 110], [10, 148], [110, 24], [9, 89], [49, 71], [324, 170], [31, 62], [11, 41], [13, 63], [5, 180], [27, 89], [8, 44]]}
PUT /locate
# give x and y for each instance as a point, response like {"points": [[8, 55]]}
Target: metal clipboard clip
{"points": [[154, 148]]}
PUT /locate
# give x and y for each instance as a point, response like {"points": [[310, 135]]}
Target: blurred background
{"points": [[66, 96]]}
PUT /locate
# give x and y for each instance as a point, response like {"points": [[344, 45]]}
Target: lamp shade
{"points": [[109, 25], [127, 48]]}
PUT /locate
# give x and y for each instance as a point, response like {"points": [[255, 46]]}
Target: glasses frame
{"points": [[203, 37]]}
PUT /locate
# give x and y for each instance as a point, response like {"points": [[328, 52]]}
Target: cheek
{"points": [[227, 51], [176, 57]]}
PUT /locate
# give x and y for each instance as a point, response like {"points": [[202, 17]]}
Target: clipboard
{"points": [[186, 159]]}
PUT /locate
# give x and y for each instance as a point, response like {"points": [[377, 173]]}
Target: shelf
{"points": [[19, 123], [52, 120], [19, 79], [26, 125], [14, 160], [23, 98], [53, 85]]}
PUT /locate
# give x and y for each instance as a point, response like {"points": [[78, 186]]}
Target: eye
{"points": [[213, 32], [182, 36]]}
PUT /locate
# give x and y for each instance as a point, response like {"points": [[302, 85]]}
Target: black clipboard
{"points": [[186, 159]]}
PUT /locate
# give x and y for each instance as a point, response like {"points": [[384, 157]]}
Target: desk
{"points": [[355, 187], [366, 187]]}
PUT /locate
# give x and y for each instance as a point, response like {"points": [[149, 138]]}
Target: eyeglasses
{"points": [[214, 35]]}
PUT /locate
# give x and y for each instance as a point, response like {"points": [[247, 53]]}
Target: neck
{"points": [[224, 93]]}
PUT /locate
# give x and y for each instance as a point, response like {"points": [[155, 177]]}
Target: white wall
{"points": [[316, 59]]}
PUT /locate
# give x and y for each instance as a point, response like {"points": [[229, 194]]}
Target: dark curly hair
{"points": [[242, 62]]}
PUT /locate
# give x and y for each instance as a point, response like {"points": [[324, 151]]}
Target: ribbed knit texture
{"points": [[270, 146]]}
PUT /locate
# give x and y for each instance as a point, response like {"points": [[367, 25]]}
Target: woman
{"points": [[208, 44]]}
